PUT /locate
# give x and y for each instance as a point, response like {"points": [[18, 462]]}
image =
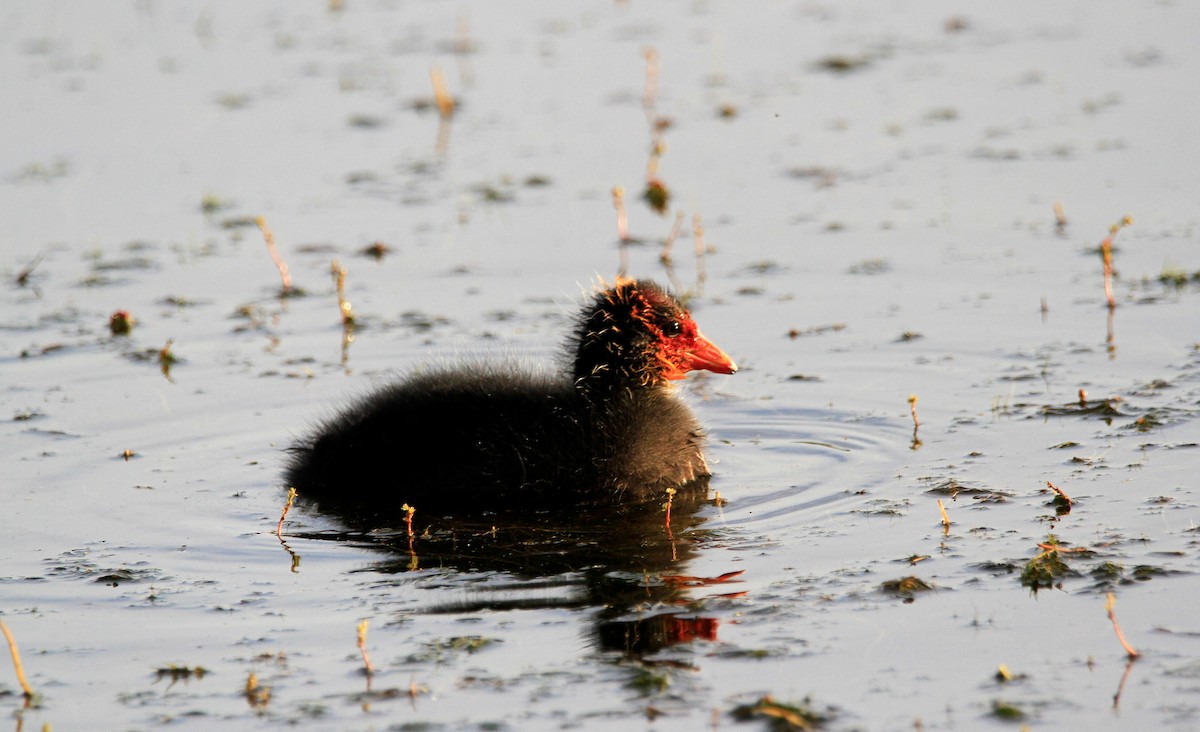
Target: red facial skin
{"points": [[676, 345], [691, 351], [681, 347]]}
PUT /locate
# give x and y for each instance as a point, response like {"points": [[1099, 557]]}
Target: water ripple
{"points": [[774, 462]]}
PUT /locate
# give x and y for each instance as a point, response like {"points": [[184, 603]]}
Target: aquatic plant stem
{"points": [[269, 238], [1109, 603], [1059, 491], [618, 196], [339, 281], [668, 243], [1106, 255], [167, 359], [408, 517], [16, 657], [291, 498], [362, 647], [22, 277], [650, 92], [1052, 548], [701, 249], [1060, 218], [441, 94], [912, 408], [256, 695]]}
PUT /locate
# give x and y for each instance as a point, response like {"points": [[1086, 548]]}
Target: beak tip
{"points": [[708, 356]]}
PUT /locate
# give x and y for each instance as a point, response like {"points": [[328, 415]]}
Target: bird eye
{"points": [[673, 328]]}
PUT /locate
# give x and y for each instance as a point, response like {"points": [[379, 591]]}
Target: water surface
{"points": [[876, 188]]}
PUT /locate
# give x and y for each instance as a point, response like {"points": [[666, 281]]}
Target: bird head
{"points": [[635, 333]]}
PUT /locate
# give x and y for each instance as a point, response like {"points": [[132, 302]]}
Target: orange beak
{"points": [[705, 355]]}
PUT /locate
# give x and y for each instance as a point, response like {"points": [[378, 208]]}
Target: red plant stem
{"points": [[1059, 491], [1116, 626], [291, 497], [269, 238], [1106, 255]]}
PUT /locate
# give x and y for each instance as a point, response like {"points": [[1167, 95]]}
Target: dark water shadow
{"points": [[628, 561]]}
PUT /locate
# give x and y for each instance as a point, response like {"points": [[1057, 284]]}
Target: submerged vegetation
{"points": [[782, 716]]}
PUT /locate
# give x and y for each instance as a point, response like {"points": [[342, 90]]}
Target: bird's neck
{"points": [[602, 383], [611, 358]]}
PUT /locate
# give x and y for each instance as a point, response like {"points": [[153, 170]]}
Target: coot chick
{"points": [[489, 438]]}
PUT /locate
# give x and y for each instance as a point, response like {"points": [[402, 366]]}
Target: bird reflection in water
{"points": [[622, 559]]}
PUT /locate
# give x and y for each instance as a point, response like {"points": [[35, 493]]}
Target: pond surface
{"points": [[872, 194]]}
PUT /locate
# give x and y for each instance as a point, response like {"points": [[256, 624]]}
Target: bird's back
{"points": [[467, 441], [456, 439]]}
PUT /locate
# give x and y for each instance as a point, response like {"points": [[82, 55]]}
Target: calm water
{"points": [[876, 187]]}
